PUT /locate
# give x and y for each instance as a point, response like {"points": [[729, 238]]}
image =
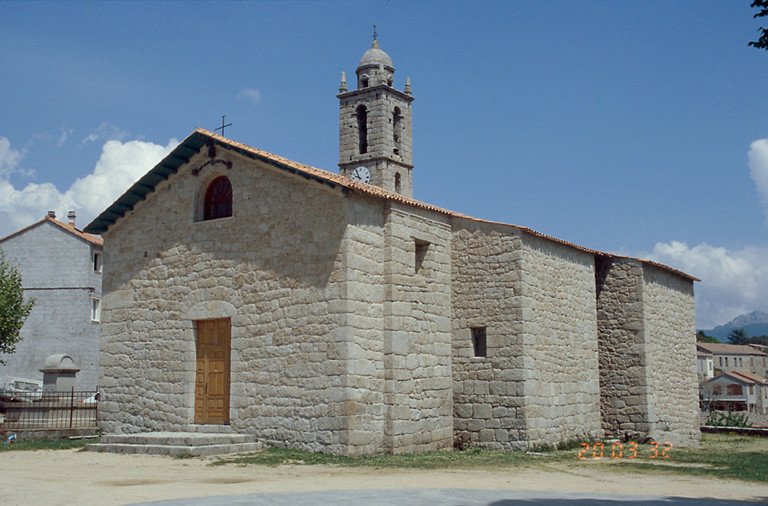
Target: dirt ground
{"points": [[76, 477]]}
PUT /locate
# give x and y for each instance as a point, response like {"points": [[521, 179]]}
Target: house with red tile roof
{"points": [[736, 357], [333, 312], [738, 390], [61, 268]]}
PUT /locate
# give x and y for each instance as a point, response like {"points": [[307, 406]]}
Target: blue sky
{"points": [[638, 128]]}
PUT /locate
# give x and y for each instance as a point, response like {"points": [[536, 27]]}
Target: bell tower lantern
{"points": [[375, 139]]}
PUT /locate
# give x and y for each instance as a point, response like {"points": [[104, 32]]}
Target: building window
{"points": [[397, 182], [96, 310], [218, 199], [396, 126], [96, 262], [721, 361], [479, 341], [362, 129], [751, 389], [421, 252], [726, 361], [733, 390]]}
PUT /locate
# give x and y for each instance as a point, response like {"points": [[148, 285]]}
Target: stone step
{"points": [[175, 450], [177, 443], [177, 438], [218, 429]]}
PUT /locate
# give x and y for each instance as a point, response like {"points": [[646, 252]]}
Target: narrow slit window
{"points": [[396, 126], [421, 253], [96, 310], [362, 129], [96, 262], [479, 341], [397, 182]]}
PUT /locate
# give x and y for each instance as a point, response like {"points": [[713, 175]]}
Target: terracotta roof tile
{"points": [[729, 349], [375, 191], [198, 138], [93, 239], [747, 376]]}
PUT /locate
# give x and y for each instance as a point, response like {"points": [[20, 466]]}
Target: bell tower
{"points": [[375, 138]]}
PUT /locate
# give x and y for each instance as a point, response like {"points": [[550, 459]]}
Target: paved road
{"points": [[445, 496]]}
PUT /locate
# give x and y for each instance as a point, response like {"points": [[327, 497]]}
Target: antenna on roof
{"points": [[223, 126], [374, 32]]}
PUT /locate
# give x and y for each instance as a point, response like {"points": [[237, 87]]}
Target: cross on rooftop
{"points": [[223, 126]]}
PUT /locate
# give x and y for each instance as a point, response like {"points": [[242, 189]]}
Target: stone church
{"points": [[334, 313]]}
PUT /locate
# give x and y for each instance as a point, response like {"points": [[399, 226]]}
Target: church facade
{"points": [[332, 312]]}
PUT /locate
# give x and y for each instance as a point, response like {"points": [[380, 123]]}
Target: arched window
{"points": [[218, 199], [396, 127], [362, 128]]}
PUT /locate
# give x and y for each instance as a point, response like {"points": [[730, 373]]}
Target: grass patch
{"points": [[722, 456], [44, 444], [474, 458]]}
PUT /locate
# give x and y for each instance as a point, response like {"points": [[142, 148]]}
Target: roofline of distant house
{"points": [[743, 349], [745, 379], [90, 238], [200, 137]]}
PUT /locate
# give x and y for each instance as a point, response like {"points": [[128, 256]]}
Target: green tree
{"points": [[762, 42], [738, 336], [701, 337], [13, 310]]}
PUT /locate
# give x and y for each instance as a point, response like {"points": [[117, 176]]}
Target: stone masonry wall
{"points": [[276, 268], [487, 391], [560, 364], [624, 402], [671, 348], [417, 331]]}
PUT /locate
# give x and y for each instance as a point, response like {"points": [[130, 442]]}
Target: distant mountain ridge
{"points": [[754, 324]]}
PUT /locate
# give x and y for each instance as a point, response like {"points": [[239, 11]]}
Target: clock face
{"points": [[362, 174]]}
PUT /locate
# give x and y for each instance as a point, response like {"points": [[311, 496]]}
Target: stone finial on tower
{"points": [[407, 89], [343, 84]]}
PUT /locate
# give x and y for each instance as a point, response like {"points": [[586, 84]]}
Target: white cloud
{"points": [[250, 94], [65, 133], [119, 166], [732, 281], [106, 131], [757, 159], [9, 157]]}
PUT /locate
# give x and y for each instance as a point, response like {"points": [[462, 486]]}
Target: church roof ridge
{"points": [[192, 144]]}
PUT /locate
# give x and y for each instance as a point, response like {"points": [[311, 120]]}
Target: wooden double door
{"points": [[213, 367]]}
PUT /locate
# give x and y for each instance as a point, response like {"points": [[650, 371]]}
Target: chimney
{"points": [[71, 217], [52, 214]]}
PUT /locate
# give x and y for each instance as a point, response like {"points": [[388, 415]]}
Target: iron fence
{"points": [[48, 410]]}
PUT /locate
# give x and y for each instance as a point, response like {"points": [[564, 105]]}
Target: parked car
{"points": [[21, 389]]}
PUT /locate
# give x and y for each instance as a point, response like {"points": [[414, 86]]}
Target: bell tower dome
{"points": [[375, 137]]}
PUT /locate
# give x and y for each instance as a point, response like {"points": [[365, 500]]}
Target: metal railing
{"points": [[48, 410]]}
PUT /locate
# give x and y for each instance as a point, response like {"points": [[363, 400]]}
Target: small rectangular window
{"points": [[479, 341], [96, 262], [421, 252], [96, 310]]}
